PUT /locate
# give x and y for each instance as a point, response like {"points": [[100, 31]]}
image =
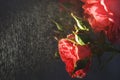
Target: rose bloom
{"points": [[70, 53], [104, 15]]}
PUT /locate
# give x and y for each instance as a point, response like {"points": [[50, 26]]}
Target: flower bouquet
{"points": [[93, 31]]}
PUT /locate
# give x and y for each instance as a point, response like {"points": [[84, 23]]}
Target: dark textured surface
{"points": [[27, 46]]}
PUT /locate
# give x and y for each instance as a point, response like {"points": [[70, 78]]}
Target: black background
{"points": [[27, 45]]}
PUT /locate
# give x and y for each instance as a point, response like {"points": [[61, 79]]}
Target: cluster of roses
{"points": [[103, 17]]}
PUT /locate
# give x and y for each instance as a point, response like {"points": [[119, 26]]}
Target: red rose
{"points": [[70, 54], [104, 15]]}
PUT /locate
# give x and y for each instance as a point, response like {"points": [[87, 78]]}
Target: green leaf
{"points": [[79, 23], [58, 25]]}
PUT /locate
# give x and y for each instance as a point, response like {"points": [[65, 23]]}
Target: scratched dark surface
{"points": [[27, 46]]}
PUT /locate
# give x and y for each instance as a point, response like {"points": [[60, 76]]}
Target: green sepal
{"points": [[78, 39], [85, 38], [79, 23]]}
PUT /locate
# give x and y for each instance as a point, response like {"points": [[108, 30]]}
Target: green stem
{"points": [[112, 49]]}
